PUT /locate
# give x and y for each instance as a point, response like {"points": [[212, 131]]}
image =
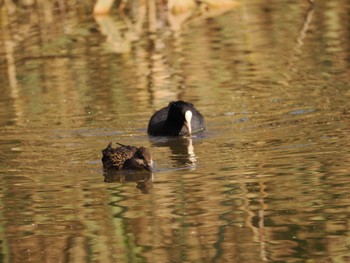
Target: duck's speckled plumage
{"points": [[126, 157]]}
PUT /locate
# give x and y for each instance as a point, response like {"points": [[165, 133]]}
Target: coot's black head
{"points": [[179, 117], [142, 159]]}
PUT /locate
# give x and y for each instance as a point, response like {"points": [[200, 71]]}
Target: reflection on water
{"points": [[181, 150], [144, 181], [268, 180]]}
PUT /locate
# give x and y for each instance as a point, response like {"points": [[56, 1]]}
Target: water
{"points": [[268, 181]]}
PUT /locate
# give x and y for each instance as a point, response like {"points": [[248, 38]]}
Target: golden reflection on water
{"points": [[269, 179]]}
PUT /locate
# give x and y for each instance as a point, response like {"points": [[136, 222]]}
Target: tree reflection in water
{"points": [[269, 179]]}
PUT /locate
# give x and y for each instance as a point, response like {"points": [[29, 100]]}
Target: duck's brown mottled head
{"points": [[142, 159]]}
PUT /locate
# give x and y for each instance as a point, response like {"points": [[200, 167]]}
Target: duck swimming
{"points": [[126, 158], [178, 118]]}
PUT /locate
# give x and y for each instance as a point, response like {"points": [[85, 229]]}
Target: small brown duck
{"points": [[126, 158]]}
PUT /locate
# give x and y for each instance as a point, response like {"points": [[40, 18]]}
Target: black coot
{"points": [[178, 118]]}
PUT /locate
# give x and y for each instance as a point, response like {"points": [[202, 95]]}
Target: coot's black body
{"points": [[178, 118]]}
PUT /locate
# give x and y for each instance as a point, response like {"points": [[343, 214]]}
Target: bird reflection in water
{"points": [[144, 181], [182, 149]]}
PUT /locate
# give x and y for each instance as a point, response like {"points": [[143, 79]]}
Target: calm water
{"points": [[269, 181]]}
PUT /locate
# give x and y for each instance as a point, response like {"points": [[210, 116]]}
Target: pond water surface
{"points": [[268, 181]]}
